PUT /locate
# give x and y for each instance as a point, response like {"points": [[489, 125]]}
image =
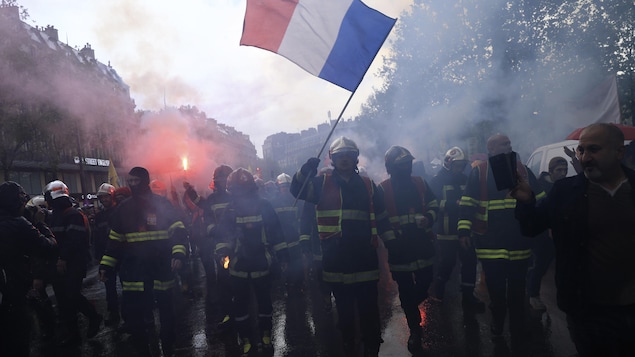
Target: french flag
{"points": [[335, 40]]}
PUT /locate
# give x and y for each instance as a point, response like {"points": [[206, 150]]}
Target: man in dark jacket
{"points": [[71, 229], [219, 297], [105, 195], [19, 240], [250, 235], [591, 220], [486, 215], [147, 241], [412, 209], [350, 216], [448, 185]]}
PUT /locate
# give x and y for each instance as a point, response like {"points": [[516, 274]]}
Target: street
{"points": [[301, 326]]}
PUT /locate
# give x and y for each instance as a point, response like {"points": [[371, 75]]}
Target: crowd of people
{"points": [[248, 233]]}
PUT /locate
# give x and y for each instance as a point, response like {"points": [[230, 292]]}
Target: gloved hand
{"points": [[189, 191], [309, 169]]}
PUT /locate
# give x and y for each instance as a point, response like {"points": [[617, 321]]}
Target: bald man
{"points": [[486, 219], [591, 220]]}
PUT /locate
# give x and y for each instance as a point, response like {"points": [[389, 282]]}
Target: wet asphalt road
{"points": [[301, 326]]}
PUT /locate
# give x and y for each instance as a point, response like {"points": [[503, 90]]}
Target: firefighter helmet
{"points": [[158, 187], [222, 172], [106, 189], [241, 181], [122, 193], [283, 179], [342, 145], [397, 155], [55, 189], [455, 154], [37, 201]]}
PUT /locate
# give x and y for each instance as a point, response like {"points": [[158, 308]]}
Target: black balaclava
{"points": [[144, 185], [401, 171]]}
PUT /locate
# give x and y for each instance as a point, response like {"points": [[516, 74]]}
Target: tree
{"points": [[456, 64]]}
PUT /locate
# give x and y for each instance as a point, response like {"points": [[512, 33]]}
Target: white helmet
{"points": [[106, 189], [453, 155], [37, 201], [283, 179], [56, 189], [343, 144]]}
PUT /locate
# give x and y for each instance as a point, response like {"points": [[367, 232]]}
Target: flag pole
{"points": [[325, 142], [334, 125]]}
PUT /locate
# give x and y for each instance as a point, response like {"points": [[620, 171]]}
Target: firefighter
{"points": [[412, 209], [105, 195], [72, 232], [43, 270], [147, 241], [250, 235], [297, 245], [309, 232], [185, 274], [219, 297], [350, 213], [271, 190], [486, 215], [19, 240], [448, 185]]}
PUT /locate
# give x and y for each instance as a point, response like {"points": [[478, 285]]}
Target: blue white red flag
{"points": [[335, 40]]}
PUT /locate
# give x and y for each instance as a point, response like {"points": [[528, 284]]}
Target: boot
{"points": [[246, 347], [266, 341], [414, 341], [94, 323]]}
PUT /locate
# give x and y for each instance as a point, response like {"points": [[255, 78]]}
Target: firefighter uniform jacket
{"points": [[287, 210], [411, 248], [72, 232], [250, 234], [145, 235], [350, 215], [102, 231], [489, 214], [214, 207], [308, 230], [448, 188]]}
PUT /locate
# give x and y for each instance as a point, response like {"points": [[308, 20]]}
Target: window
{"points": [[30, 181]]}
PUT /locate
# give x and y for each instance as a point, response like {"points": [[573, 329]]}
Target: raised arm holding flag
{"points": [[335, 40]]}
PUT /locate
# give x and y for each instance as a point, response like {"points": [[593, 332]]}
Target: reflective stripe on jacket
{"points": [[489, 214], [330, 214]]}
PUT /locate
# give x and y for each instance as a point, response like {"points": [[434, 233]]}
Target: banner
{"points": [[113, 178]]}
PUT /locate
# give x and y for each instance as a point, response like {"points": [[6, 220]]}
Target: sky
{"points": [[187, 53]]}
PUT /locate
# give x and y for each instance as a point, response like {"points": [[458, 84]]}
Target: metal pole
{"points": [[82, 179], [325, 142], [334, 125]]}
